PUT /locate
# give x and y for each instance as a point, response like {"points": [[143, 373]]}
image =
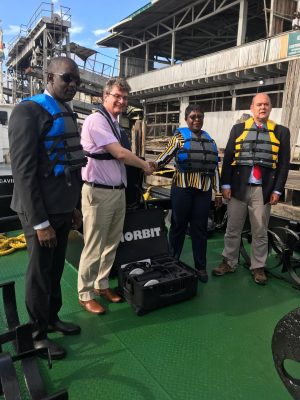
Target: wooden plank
{"points": [[291, 101], [287, 211], [293, 180]]}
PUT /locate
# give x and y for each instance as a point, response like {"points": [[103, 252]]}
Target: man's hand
{"points": [[226, 194], [152, 164], [47, 237], [149, 168], [274, 199], [76, 219]]}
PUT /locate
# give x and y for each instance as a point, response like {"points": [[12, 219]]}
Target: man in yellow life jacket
{"points": [[254, 172]]}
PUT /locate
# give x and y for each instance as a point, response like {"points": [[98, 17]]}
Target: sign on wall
{"points": [[294, 44]]}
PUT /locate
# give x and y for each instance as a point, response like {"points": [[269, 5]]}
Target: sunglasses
{"points": [[194, 117], [68, 78]]}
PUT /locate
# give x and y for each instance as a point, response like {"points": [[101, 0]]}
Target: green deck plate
{"points": [[216, 346]]}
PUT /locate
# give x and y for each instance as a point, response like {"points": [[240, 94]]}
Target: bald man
{"points": [[46, 160], [254, 172]]}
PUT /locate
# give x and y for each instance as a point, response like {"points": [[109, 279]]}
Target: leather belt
{"points": [[99, 185], [254, 184]]}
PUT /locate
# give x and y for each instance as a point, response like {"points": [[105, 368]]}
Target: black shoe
{"points": [[56, 351], [202, 275], [66, 328]]}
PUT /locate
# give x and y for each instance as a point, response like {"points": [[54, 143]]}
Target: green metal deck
{"points": [[216, 346]]}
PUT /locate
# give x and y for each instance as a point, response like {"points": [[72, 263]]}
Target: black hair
{"points": [[192, 107], [56, 61]]}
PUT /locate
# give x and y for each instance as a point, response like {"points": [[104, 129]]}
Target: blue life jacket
{"points": [[62, 148], [198, 154]]}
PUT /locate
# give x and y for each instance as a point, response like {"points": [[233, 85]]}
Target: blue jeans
{"points": [[190, 205]]}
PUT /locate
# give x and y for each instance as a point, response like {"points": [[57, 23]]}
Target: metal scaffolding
{"points": [[47, 35]]}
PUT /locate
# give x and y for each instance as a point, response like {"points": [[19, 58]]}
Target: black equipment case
{"points": [[148, 278]]}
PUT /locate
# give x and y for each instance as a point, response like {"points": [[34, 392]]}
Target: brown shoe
{"points": [[259, 276], [109, 295], [92, 306], [223, 269]]}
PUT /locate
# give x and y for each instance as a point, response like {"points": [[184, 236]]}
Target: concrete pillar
{"points": [[45, 61], [184, 102], [121, 61], [68, 50], [241, 35], [271, 22], [1, 84], [147, 57], [173, 48], [233, 102]]}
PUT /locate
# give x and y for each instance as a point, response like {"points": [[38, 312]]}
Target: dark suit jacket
{"points": [[35, 195], [272, 180]]}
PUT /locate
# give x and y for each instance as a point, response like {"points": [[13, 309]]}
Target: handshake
{"points": [[149, 167]]}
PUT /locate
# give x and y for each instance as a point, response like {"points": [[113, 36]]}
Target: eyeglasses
{"points": [[194, 117], [119, 97], [68, 78]]}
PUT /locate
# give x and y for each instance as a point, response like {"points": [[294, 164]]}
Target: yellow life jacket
{"points": [[257, 146]]}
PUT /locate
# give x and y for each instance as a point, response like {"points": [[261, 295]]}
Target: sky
{"points": [[90, 18]]}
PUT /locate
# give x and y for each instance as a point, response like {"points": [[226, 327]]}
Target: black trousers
{"points": [[189, 205], [42, 291]]}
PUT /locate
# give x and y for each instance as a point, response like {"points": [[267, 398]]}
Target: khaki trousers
{"points": [[103, 219], [259, 214]]}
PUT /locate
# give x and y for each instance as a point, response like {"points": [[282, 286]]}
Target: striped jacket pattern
{"points": [[196, 180]]}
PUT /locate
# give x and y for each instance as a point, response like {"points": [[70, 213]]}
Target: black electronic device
{"points": [[158, 279]]}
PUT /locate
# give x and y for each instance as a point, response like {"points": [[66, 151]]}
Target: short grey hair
{"points": [[261, 93], [121, 84]]}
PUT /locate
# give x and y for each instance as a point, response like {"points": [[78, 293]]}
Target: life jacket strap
{"points": [[260, 151], [74, 148], [188, 151], [258, 141], [62, 136], [101, 156], [191, 161], [63, 114], [268, 161], [263, 130], [199, 140]]}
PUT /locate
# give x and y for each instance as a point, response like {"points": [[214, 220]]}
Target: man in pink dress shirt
{"points": [[103, 195]]}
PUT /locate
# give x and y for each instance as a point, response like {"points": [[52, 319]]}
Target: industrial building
{"points": [[217, 53]]}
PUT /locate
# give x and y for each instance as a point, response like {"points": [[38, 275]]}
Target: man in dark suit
{"points": [[254, 172], [46, 158]]}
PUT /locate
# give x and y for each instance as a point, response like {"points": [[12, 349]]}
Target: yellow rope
{"points": [[147, 194], [11, 244], [165, 171]]}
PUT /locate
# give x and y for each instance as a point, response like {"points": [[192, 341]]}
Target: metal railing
{"points": [[94, 65], [44, 10]]}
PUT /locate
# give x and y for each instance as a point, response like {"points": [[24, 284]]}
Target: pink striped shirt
{"points": [[96, 134]]}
